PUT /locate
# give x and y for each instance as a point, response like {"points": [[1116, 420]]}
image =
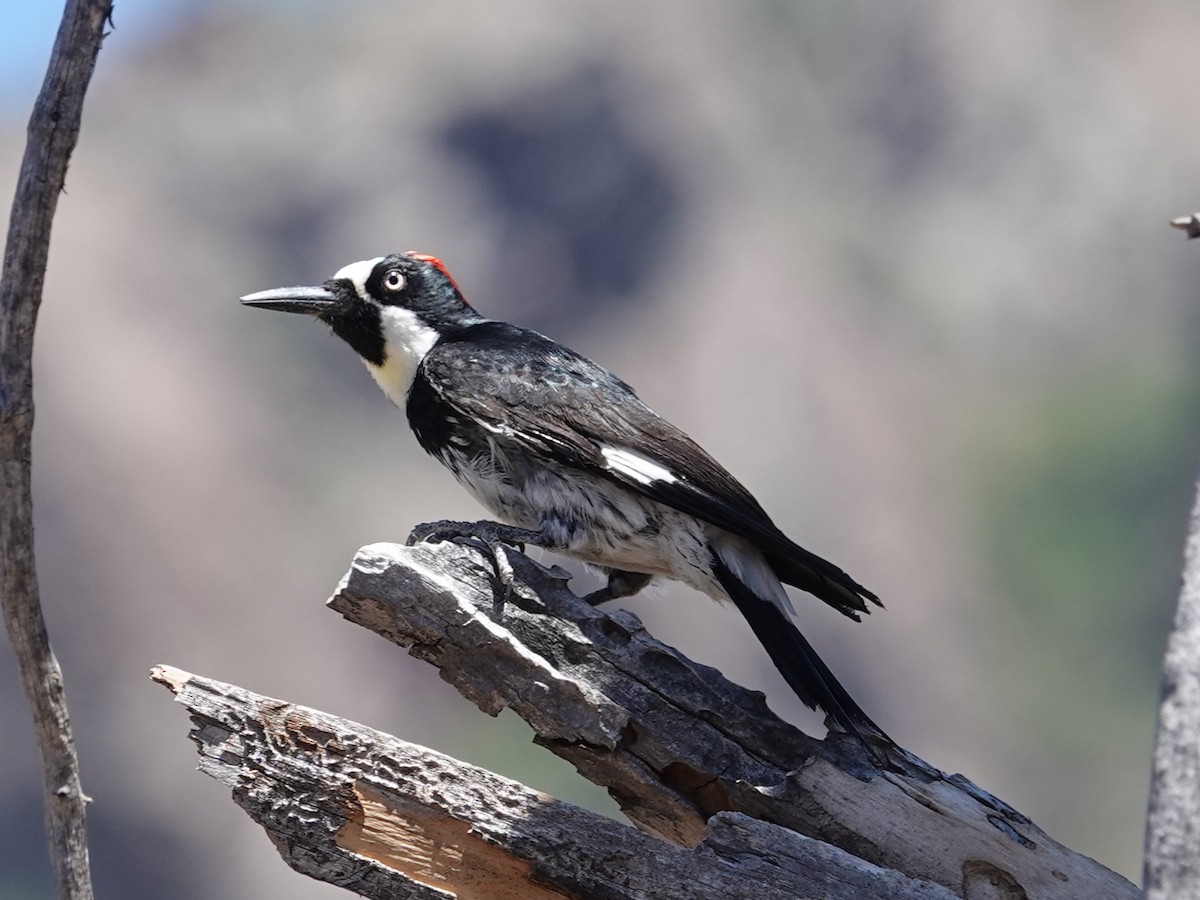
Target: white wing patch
{"points": [[358, 273], [635, 466]]}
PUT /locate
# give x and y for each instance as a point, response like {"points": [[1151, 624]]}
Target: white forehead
{"points": [[358, 273]]}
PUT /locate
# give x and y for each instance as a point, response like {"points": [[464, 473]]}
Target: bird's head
{"points": [[391, 310]]}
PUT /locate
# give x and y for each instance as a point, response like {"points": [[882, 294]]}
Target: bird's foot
{"points": [[620, 584], [483, 532], [493, 538]]}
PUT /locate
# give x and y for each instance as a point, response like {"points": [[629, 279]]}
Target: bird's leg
{"points": [[494, 537], [620, 584], [484, 532], [491, 537]]}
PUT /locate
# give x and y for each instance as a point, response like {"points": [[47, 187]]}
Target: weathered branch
{"points": [[674, 742], [699, 763], [1172, 864], [1171, 867], [389, 819], [53, 131]]}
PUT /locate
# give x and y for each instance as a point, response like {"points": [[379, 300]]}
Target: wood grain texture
{"points": [[389, 819]]}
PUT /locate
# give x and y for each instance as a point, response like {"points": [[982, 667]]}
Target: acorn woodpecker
{"points": [[568, 458]]}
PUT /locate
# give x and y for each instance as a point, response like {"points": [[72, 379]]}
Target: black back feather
{"points": [[795, 658]]}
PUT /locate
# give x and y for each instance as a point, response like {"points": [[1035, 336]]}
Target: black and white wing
{"points": [[560, 405]]}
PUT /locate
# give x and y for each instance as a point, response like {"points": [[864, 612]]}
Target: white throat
{"points": [[406, 340]]}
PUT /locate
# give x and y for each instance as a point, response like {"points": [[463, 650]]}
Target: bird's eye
{"points": [[393, 280]]}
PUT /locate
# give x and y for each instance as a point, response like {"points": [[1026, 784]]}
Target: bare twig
{"points": [[53, 131], [1172, 866], [1190, 225]]}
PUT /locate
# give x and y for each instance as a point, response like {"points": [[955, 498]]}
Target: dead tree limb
{"points": [[389, 819], [691, 758], [1171, 868], [674, 742], [52, 134], [1172, 864]]}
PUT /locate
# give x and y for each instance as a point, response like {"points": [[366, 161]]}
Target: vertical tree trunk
{"points": [[52, 134], [1172, 865]]}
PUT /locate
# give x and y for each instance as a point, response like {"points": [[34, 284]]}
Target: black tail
{"points": [[795, 657]]}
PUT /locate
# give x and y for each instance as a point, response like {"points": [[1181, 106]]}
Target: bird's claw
{"points": [[492, 538], [436, 532], [504, 576]]}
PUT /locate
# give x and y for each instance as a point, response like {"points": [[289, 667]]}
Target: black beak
{"points": [[312, 301]]}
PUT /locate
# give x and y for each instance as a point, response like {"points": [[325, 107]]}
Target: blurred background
{"points": [[903, 268]]}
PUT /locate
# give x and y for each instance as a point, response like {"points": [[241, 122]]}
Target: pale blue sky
{"points": [[27, 34]]}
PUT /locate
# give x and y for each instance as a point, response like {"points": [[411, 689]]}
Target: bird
{"points": [[567, 457]]}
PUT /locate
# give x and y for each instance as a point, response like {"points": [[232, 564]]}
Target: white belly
{"points": [[597, 521]]}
